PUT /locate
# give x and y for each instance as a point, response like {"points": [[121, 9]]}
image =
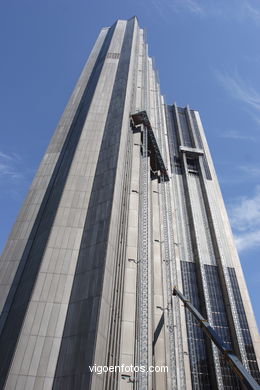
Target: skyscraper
{"points": [[125, 205]]}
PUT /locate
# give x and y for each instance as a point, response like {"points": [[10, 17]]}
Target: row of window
{"points": [[198, 351], [220, 322], [244, 326], [197, 348]]}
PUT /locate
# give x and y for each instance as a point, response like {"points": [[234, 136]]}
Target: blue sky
{"points": [[207, 53]]}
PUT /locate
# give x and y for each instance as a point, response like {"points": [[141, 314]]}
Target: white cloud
{"points": [[238, 174], [240, 90], [238, 10], [5, 156], [245, 212], [253, 11], [250, 170], [191, 5], [163, 7], [9, 168], [247, 241], [255, 117], [245, 220], [232, 134]]}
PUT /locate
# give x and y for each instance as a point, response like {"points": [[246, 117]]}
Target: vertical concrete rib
{"points": [[127, 339], [213, 240], [95, 257], [230, 255], [224, 253], [192, 209]]}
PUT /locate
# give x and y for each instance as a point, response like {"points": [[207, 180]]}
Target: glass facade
{"points": [[201, 234], [244, 326], [197, 348], [220, 323]]}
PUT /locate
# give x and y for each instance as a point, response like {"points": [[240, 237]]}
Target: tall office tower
{"points": [[125, 205]]}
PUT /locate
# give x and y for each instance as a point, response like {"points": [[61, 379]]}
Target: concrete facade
{"points": [[119, 212]]}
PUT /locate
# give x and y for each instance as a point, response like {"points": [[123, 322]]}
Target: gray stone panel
{"points": [[83, 313]]}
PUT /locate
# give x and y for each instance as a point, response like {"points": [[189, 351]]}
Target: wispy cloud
{"points": [[164, 7], [245, 219], [5, 156], [233, 9], [248, 241], [255, 117], [251, 170], [241, 90], [232, 134], [237, 174], [9, 166], [253, 11], [190, 5], [14, 175], [245, 213]]}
